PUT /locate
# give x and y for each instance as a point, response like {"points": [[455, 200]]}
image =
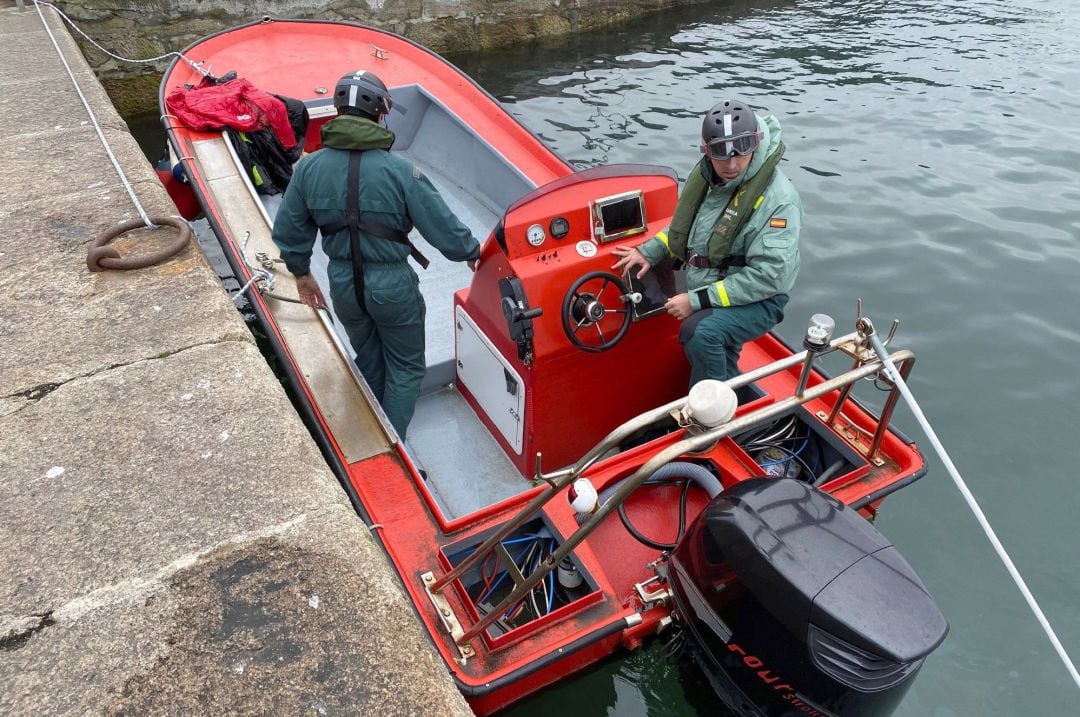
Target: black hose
{"points": [[648, 541], [685, 470]]}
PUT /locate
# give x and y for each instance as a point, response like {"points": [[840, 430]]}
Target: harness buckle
{"points": [[698, 261]]}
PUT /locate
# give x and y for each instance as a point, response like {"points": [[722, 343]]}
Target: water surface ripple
{"points": [[937, 148]]}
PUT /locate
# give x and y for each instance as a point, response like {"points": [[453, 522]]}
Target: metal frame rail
{"points": [[561, 479]]}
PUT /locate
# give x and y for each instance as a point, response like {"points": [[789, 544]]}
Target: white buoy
{"points": [[583, 498], [711, 403]]}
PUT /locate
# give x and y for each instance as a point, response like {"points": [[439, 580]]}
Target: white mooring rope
{"points": [[906, 393], [197, 66], [93, 118]]}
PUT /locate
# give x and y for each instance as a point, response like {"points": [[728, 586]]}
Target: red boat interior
{"points": [[546, 353]]}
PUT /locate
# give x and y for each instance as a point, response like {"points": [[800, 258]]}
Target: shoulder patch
{"points": [[778, 223]]}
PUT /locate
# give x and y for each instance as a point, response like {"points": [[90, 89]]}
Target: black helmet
{"points": [[361, 92], [729, 130]]}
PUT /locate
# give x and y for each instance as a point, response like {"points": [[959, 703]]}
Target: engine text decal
{"points": [[766, 675]]}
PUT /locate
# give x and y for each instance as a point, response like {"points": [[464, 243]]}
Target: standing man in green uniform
{"points": [[365, 201], [736, 227]]}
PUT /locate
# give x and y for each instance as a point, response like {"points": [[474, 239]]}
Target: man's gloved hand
{"points": [[309, 291]]}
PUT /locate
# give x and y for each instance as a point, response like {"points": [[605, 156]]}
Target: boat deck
{"points": [[441, 411], [478, 473]]}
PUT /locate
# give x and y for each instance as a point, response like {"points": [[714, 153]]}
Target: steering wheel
{"points": [[585, 314]]}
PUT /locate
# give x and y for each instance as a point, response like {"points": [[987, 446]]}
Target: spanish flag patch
{"points": [[778, 223]]}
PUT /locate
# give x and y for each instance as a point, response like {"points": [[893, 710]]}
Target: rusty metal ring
{"points": [[100, 257]]}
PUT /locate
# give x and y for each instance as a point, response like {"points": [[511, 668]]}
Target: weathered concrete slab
{"points": [[60, 321], [255, 629], [171, 540], [141, 464], [50, 99], [31, 50]]}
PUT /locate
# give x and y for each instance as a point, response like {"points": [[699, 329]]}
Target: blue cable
{"points": [[502, 575], [789, 456], [551, 591]]}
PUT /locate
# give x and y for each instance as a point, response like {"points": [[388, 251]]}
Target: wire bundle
{"points": [[528, 553]]}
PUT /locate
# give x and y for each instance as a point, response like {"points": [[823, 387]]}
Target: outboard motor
{"points": [[796, 605]]}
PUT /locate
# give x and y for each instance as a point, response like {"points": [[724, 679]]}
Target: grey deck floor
{"points": [[475, 472], [466, 469]]}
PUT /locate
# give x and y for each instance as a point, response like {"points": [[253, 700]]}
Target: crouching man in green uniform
{"points": [[736, 227], [365, 201]]}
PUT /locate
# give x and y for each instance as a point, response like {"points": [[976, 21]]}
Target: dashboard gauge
{"points": [[559, 227], [535, 235]]}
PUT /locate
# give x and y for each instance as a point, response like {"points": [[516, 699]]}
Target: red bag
{"points": [[237, 104]]}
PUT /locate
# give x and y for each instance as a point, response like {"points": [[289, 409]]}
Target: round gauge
{"points": [[535, 235], [559, 227], [586, 249]]}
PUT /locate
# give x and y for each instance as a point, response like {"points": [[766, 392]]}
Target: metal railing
{"points": [[559, 480]]}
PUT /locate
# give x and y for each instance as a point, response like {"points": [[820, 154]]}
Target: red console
{"points": [[552, 351]]}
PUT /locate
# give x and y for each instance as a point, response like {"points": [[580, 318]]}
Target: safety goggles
{"points": [[736, 146]]}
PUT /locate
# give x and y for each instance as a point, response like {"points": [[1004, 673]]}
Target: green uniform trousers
{"points": [[713, 338], [387, 333]]}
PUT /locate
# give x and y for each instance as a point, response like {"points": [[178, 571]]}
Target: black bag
{"points": [[260, 152], [298, 118], [269, 165]]}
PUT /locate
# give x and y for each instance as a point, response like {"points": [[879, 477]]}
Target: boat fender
{"points": [[583, 498]]}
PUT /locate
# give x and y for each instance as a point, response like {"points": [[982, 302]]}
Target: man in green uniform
{"points": [[365, 201], [736, 227]]}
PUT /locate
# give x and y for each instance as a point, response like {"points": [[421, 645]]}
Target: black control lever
{"points": [[518, 315]]}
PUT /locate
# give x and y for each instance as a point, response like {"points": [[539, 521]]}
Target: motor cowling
{"points": [[795, 604]]}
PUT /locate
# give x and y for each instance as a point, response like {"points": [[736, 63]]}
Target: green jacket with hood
{"points": [[769, 240], [393, 192]]}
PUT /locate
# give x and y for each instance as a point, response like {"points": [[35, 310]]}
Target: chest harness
{"points": [[355, 225], [731, 221]]}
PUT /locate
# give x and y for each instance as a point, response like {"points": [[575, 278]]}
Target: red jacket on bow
{"points": [[237, 104]]}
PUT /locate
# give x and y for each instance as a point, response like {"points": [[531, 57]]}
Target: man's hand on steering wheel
{"points": [[630, 259]]}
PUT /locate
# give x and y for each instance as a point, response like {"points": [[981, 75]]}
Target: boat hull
{"points": [[541, 400]]}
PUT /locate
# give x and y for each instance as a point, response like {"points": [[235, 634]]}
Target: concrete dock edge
{"points": [[171, 539]]}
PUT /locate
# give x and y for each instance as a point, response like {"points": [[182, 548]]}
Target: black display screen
{"points": [[657, 286], [621, 216]]}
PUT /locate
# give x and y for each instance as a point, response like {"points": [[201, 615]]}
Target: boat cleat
{"points": [[448, 618], [658, 597]]}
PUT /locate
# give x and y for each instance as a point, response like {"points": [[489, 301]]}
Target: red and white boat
{"points": [[548, 377]]}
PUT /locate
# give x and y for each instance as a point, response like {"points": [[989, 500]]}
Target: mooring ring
{"points": [[100, 257]]}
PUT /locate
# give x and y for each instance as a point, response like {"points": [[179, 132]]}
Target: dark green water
{"points": [[937, 149]]}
